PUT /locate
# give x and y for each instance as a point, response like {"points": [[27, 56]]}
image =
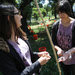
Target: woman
{"points": [[63, 36], [16, 57]]}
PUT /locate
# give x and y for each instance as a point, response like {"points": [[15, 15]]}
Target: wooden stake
{"points": [[49, 36]]}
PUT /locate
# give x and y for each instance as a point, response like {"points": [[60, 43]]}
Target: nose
{"points": [[21, 16]]}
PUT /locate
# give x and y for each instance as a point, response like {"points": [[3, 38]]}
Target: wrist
{"points": [[69, 52]]}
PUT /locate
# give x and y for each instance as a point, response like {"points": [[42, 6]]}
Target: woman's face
{"points": [[17, 17], [63, 15]]}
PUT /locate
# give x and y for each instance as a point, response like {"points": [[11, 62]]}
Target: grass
{"points": [[51, 67]]}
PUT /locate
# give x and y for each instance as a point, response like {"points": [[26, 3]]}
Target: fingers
{"points": [[59, 53], [44, 57], [65, 57], [61, 59], [56, 48], [47, 55], [44, 53], [43, 60]]}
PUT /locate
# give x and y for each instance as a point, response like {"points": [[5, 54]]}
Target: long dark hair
{"points": [[7, 25]]}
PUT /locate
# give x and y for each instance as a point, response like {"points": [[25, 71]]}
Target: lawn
{"points": [[51, 67]]}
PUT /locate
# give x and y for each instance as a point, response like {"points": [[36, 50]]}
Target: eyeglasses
{"points": [[17, 13]]}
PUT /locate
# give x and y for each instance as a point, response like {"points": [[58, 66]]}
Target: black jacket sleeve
{"points": [[54, 32], [8, 66], [31, 69], [73, 35]]}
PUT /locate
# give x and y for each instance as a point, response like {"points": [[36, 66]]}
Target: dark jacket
{"points": [[12, 64], [54, 33]]}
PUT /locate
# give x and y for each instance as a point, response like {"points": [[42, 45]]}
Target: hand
{"points": [[44, 53], [59, 51], [43, 60], [66, 55]]}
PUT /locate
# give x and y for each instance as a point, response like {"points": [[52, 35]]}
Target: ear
{"points": [[8, 18]]}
